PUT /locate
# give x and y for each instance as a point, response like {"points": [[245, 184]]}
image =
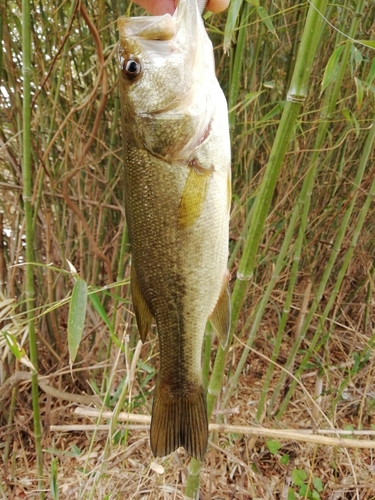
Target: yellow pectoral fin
{"points": [[142, 312], [220, 318], [193, 196]]}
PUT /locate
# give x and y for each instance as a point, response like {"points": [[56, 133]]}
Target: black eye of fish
{"points": [[132, 68]]}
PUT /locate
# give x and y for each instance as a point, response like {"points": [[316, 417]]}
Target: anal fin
{"points": [[220, 317], [143, 314]]}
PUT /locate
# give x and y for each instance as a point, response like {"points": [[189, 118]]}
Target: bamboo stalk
{"points": [[301, 210], [29, 271], [297, 93], [337, 244]]}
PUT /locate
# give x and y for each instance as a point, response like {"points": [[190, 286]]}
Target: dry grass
{"points": [[237, 465]]}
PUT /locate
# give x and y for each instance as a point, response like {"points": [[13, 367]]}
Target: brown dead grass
{"points": [[236, 466]]}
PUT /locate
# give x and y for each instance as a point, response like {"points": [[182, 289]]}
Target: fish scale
{"points": [[177, 201]]}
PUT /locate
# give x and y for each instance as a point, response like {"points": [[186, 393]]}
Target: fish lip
{"points": [[148, 27]]}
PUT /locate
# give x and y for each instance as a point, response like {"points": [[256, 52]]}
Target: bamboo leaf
{"points": [[230, 25], [263, 14], [368, 43], [76, 318], [72, 269], [350, 117], [331, 68], [94, 299], [371, 73], [359, 92], [18, 351]]}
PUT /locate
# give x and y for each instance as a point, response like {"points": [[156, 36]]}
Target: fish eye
{"points": [[132, 68]]}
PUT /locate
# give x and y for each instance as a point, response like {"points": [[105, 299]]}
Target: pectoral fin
{"points": [[194, 195], [220, 318], [142, 312]]}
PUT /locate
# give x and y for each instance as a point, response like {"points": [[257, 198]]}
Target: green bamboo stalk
{"points": [[29, 272], [329, 105], [296, 96], [335, 250], [297, 93]]}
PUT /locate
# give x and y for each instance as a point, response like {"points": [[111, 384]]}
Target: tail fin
{"points": [[179, 420]]}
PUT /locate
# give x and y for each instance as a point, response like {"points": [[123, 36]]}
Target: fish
{"points": [[177, 178]]}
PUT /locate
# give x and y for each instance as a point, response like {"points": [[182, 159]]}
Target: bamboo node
{"points": [[243, 277]]}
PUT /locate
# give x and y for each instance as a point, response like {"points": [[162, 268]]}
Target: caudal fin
{"points": [[179, 420]]}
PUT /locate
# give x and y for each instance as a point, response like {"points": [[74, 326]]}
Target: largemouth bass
{"points": [[177, 189]]}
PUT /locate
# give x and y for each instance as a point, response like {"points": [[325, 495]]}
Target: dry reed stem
{"points": [[288, 434]]}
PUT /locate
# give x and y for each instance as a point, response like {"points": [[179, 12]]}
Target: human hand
{"points": [[159, 7]]}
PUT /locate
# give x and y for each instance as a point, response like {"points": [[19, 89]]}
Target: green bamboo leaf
{"points": [[350, 117], [18, 351], [358, 57], [13, 345], [359, 92], [76, 318], [371, 73], [230, 26], [249, 98], [331, 68], [97, 305], [368, 43], [274, 111], [263, 14]]}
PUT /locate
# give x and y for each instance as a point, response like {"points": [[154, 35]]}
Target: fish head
{"points": [[167, 72]]}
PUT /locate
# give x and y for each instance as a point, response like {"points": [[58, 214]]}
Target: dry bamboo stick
{"points": [[306, 436]]}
